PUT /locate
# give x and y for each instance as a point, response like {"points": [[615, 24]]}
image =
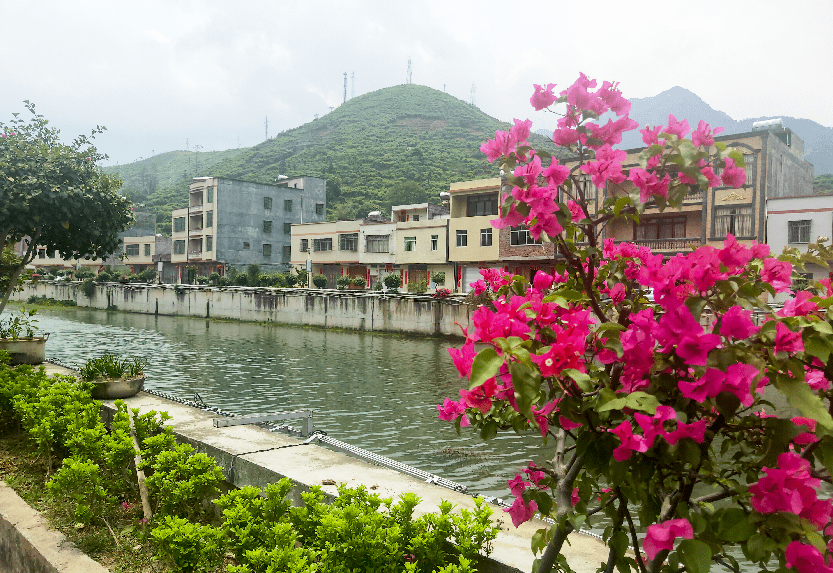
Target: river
{"points": [[375, 391]]}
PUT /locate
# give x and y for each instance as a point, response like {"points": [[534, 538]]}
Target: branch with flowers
{"points": [[658, 424]]}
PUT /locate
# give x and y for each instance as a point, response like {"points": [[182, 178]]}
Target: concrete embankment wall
{"points": [[350, 310]]}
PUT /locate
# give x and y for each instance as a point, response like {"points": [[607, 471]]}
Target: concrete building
{"points": [[153, 251], [796, 222], [239, 223], [422, 244], [775, 167]]}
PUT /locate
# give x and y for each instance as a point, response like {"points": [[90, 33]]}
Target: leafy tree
{"points": [[406, 193], [54, 196]]}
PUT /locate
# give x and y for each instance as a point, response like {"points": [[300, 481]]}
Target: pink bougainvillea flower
{"points": [[503, 144], [611, 132], [650, 135], [555, 174], [733, 254], [630, 442], [565, 136], [463, 357], [678, 128], [529, 172], [786, 340], [535, 475], [517, 485], [778, 274], [733, 176], [613, 98], [737, 323], [805, 558], [521, 511], [542, 97], [708, 386], [790, 488], [661, 536], [815, 378], [703, 135], [800, 305], [739, 379], [450, 411], [521, 130], [606, 167], [574, 497]]}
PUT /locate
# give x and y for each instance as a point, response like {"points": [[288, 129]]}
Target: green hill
{"points": [[370, 150]]}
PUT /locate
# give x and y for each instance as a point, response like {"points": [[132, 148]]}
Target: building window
{"points": [[377, 243], [348, 242], [147, 250], [322, 244], [287, 228], [287, 205], [267, 250], [304, 245], [179, 247], [520, 236], [41, 253], [462, 238], [246, 246], [267, 203], [749, 167], [287, 252], [435, 241], [179, 224], [410, 243], [131, 250], [319, 209], [209, 219], [209, 243], [657, 228], [590, 190], [734, 220], [479, 205], [267, 227], [209, 194], [416, 218], [799, 231], [485, 237]]}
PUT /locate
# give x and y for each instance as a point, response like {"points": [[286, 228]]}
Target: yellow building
{"points": [[422, 244]]}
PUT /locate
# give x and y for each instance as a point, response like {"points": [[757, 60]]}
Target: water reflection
{"points": [[378, 392]]}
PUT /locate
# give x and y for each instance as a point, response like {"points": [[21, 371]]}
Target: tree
{"points": [[406, 193], [655, 413], [54, 196]]}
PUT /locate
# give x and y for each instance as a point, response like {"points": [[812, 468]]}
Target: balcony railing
{"points": [[193, 255], [196, 208], [696, 197], [668, 244]]}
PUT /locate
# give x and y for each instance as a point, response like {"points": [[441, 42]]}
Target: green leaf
{"points": [[733, 525], [695, 555], [801, 396], [583, 380], [486, 365]]}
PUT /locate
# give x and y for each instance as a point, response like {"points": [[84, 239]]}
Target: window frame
{"points": [[267, 203], [377, 241], [179, 247], [304, 245], [435, 242], [209, 242], [489, 202], [486, 237], [129, 248], [515, 235], [735, 220], [410, 244], [267, 227], [147, 249], [462, 238], [797, 229], [287, 205], [322, 245], [348, 242], [179, 225], [267, 249]]}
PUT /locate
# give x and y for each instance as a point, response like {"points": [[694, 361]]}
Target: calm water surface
{"points": [[378, 392]]}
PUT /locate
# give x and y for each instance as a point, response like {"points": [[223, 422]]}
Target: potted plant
{"points": [[113, 377], [18, 338]]}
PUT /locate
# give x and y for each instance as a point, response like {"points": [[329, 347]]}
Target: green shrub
{"points": [[418, 287], [302, 277], [182, 480], [111, 366], [103, 277], [342, 282], [320, 281], [192, 274], [438, 278], [224, 281], [241, 279], [393, 281], [358, 282], [291, 279], [264, 280], [201, 280], [214, 278], [188, 547], [79, 481], [83, 274], [148, 275], [88, 287], [253, 272]]}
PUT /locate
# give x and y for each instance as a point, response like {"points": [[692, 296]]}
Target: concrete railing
{"points": [[349, 309]]}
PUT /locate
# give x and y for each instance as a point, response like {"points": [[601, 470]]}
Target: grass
{"points": [[26, 474]]}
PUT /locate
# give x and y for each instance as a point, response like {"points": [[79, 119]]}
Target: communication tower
{"points": [[266, 127], [408, 75], [473, 96], [353, 85], [345, 87]]}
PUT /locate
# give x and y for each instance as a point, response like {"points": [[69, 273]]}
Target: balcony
{"points": [[194, 255], [696, 197], [668, 244], [196, 208]]}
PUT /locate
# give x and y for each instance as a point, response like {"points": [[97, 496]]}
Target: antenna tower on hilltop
{"points": [[473, 96], [266, 127], [353, 85], [408, 75], [345, 87]]}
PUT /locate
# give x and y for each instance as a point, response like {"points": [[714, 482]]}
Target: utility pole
{"points": [[197, 159]]}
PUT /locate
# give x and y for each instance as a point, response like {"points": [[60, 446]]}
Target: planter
{"points": [[25, 350], [114, 389]]}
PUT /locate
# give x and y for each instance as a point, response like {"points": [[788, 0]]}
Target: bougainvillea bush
{"points": [[655, 409]]}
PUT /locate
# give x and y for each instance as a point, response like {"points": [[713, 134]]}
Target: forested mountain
{"points": [[407, 140]]}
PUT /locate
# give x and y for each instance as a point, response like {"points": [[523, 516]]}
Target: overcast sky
{"points": [[159, 74]]}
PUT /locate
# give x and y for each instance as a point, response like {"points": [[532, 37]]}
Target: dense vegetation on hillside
{"points": [[823, 184], [364, 149]]}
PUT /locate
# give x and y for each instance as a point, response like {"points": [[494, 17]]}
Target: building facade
{"points": [[422, 244], [239, 223]]}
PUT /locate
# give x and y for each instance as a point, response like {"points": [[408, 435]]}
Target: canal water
{"points": [[378, 392]]}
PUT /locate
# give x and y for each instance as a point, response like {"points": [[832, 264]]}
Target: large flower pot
{"points": [[114, 389], [25, 350]]}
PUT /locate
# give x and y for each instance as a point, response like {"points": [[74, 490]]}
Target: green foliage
{"points": [[438, 278], [301, 277], [192, 274], [79, 481], [241, 279], [253, 272], [342, 282], [188, 547], [393, 281], [418, 287], [292, 279], [88, 287], [148, 275], [83, 274], [224, 281], [19, 325], [104, 277], [823, 184], [55, 195], [182, 480], [110, 366], [320, 281], [214, 278], [358, 282], [201, 280]]}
